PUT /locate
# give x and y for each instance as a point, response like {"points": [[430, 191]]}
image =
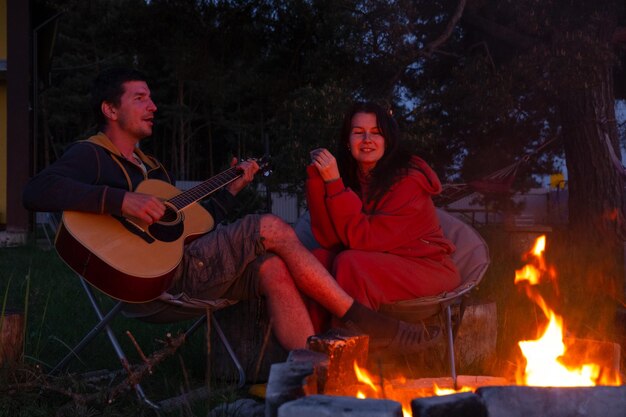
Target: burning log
{"points": [[343, 349]]}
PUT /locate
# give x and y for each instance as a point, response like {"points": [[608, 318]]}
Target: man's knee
{"points": [[274, 227], [273, 272], [272, 264], [271, 220]]}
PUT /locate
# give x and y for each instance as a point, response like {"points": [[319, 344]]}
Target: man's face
{"points": [[135, 113]]}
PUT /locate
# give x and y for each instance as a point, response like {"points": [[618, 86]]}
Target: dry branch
{"points": [[44, 383]]}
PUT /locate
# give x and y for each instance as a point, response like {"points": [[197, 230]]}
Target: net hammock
{"points": [[497, 182]]}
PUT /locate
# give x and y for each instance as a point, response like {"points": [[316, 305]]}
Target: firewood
{"points": [[11, 337], [343, 348]]}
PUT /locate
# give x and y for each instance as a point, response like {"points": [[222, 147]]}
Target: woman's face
{"points": [[367, 144]]}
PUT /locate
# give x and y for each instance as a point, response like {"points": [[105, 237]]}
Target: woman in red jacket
{"points": [[373, 215]]}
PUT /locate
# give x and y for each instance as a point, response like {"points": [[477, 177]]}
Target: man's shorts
{"points": [[222, 263], [219, 266]]}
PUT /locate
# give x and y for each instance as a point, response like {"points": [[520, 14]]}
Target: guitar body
{"points": [[126, 258]]}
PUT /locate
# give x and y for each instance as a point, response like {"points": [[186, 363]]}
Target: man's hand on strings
{"points": [[145, 207], [248, 168]]}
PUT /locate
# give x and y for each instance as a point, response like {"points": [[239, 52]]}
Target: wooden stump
{"points": [[11, 337], [475, 344]]}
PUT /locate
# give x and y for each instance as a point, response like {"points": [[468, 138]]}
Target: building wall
{"points": [[3, 114], [18, 120]]}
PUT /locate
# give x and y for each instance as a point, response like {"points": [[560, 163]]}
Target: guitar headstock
{"points": [[265, 167]]}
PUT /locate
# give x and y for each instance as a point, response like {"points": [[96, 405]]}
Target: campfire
{"points": [[552, 360], [549, 360]]}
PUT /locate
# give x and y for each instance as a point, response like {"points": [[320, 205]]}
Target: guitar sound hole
{"points": [[170, 216]]}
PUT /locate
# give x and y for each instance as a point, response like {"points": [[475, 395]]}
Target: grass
{"points": [[57, 315]]}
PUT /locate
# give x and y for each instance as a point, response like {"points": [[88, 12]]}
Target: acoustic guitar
{"points": [[128, 259]]}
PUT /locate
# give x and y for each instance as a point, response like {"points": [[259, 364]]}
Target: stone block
{"points": [[520, 401], [331, 406], [455, 405], [288, 381], [306, 355]]}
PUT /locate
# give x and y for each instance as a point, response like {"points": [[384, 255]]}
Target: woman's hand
{"points": [[325, 163]]}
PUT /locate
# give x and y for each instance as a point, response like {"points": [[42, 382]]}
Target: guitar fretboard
{"points": [[205, 188]]}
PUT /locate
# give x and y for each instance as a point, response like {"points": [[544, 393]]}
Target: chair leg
{"points": [[113, 339], [231, 352], [451, 346], [225, 342], [103, 323]]}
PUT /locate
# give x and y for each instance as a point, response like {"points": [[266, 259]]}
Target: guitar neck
{"points": [[205, 188]]}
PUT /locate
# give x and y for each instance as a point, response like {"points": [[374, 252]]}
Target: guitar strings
{"points": [[196, 193]]}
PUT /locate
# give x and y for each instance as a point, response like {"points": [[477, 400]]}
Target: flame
{"points": [[543, 367], [544, 356], [537, 269], [447, 391], [363, 376]]}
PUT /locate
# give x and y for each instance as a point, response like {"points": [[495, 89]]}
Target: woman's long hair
{"points": [[394, 163]]}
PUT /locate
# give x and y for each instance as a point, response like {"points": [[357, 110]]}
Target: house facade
{"points": [[15, 118]]}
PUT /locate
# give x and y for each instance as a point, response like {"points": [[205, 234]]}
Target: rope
{"points": [[617, 163]]}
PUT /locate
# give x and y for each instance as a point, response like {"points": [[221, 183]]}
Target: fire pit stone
{"points": [[522, 401], [288, 381], [454, 405], [337, 406]]}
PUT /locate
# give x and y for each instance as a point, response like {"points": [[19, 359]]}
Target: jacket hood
{"points": [[102, 140], [425, 175]]}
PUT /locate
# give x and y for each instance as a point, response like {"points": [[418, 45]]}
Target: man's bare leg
{"points": [[309, 274], [290, 319]]}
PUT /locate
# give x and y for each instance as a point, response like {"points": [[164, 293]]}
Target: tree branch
{"points": [[619, 36], [458, 13], [498, 31]]}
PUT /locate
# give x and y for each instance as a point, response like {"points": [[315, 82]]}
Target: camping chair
{"points": [[472, 259], [186, 311]]}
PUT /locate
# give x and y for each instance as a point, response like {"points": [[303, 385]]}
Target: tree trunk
{"points": [[182, 163], [596, 192]]}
